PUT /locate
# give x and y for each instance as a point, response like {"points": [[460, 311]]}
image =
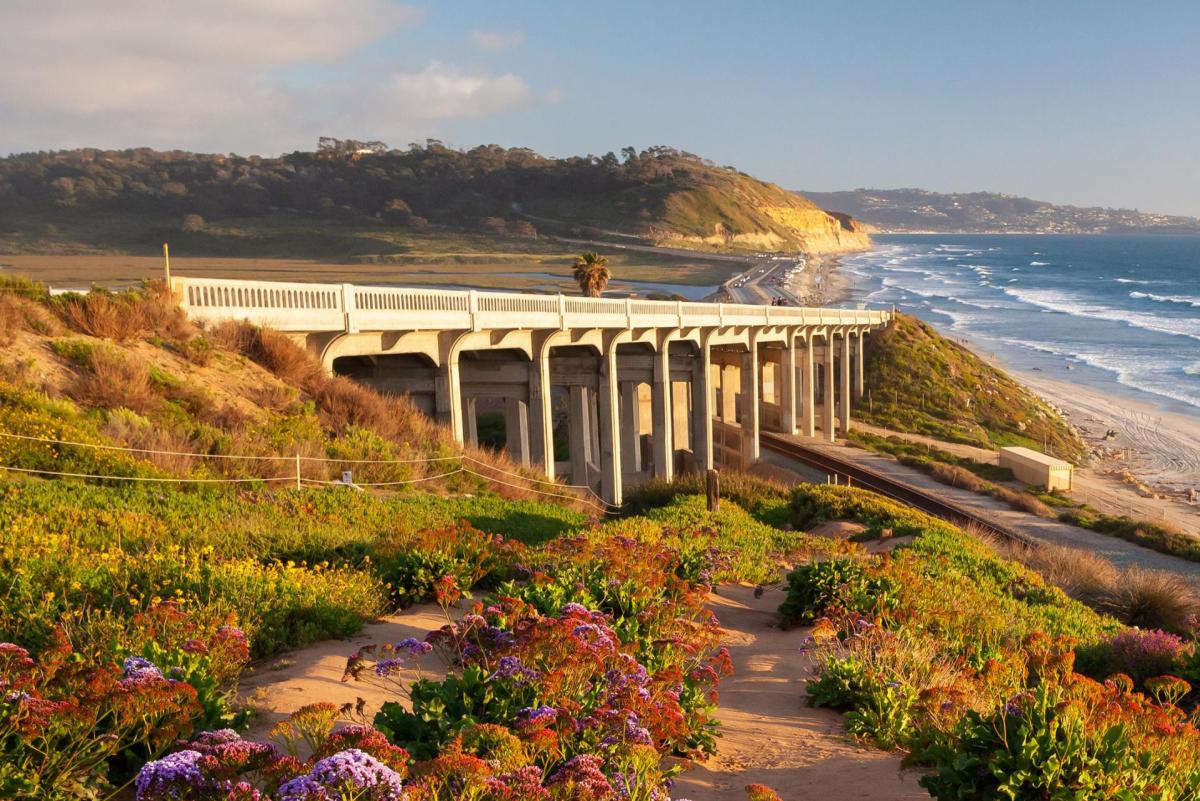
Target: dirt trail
{"points": [[282, 685], [771, 736]]}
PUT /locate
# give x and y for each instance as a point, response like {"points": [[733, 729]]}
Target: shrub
{"points": [[1138, 654], [1152, 599], [956, 476], [288, 361], [113, 381], [102, 314], [814, 588]]}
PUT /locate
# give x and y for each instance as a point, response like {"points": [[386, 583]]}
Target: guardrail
{"points": [[348, 307]]}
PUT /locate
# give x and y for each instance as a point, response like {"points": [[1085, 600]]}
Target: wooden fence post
{"points": [[712, 490]]}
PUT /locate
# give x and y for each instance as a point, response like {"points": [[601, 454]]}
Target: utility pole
{"points": [[167, 265]]}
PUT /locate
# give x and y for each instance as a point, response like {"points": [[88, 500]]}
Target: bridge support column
{"points": [[787, 390], [827, 422], [749, 404], [631, 438], [859, 386], [844, 399], [541, 417], [610, 427], [579, 428], [447, 397], [662, 410], [470, 423], [702, 408], [808, 426], [516, 430]]}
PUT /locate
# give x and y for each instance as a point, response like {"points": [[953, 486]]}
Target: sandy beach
{"points": [[1145, 461]]}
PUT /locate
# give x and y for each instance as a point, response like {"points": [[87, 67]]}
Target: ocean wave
{"points": [[1157, 377], [1141, 281], [1068, 304], [1185, 300], [1039, 264]]}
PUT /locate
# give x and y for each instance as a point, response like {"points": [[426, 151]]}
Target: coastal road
{"points": [[917, 489]]}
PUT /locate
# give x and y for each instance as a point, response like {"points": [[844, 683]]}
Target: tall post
{"points": [[662, 410], [844, 400], [827, 418], [610, 427], [859, 383], [809, 388], [749, 404], [578, 428], [541, 413], [516, 430], [702, 407], [787, 395]]}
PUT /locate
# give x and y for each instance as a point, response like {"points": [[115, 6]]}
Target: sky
{"points": [[1091, 103]]}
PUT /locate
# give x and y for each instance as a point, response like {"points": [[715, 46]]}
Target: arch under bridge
{"points": [[634, 388]]}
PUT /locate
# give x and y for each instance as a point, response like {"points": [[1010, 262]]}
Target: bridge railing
{"points": [[290, 306]]}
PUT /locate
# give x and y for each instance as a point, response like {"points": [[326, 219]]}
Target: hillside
{"points": [[920, 382], [142, 392], [919, 210], [130, 201]]}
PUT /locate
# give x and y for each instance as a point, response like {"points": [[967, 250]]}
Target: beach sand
{"points": [[1145, 461]]}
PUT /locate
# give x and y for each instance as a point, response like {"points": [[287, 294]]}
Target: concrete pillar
{"points": [[827, 417], [702, 408], [808, 426], [859, 385], [787, 390], [470, 423], [579, 433], [662, 412], [729, 382], [844, 398], [631, 440], [593, 426], [447, 397], [541, 416], [609, 408], [749, 404], [516, 430]]}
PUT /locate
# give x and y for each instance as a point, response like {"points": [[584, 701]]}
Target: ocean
{"points": [[1117, 312]]}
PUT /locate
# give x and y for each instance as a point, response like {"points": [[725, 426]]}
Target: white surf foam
{"points": [[1053, 301]]}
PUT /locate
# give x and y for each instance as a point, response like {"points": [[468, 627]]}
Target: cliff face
{"points": [[731, 210]]}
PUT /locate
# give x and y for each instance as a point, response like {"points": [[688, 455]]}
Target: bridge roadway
{"points": [[639, 387]]}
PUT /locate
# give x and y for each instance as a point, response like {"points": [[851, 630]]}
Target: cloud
{"points": [[246, 75], [498, 41], [440, 92]]}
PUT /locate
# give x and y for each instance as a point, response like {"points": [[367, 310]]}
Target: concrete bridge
{"points": [[633, 387]]}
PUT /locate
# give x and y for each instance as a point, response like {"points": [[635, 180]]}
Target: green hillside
{"points": [[303, 202], [920, 382]]}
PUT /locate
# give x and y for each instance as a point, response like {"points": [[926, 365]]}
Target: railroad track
{"points": [[865, 478]]}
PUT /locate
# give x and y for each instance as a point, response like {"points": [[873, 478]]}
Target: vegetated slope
{"points": [[989, 212], [234, 402], [233, 205], [918, 381]]}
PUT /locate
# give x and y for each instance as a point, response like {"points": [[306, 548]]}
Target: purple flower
{"points": [[350, 772], [1143, 654], [138, 669], [510, 667], [170, 777], [592, 634], [576, 609], [535, 717]]}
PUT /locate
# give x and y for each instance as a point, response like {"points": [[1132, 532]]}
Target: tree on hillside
{"points": [[592, 273]]}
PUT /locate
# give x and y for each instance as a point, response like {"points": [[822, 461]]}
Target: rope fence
{"points": [[298, 459]]}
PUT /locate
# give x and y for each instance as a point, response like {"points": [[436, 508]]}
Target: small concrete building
{"points": [[1037, 469]]}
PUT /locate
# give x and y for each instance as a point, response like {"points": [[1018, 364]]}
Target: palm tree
{"points": [[592, 273]]}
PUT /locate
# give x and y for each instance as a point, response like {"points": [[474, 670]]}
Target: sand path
{"points": [[770, 736]]}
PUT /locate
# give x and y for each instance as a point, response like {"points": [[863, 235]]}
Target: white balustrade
{"points": [[312, 308]]}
